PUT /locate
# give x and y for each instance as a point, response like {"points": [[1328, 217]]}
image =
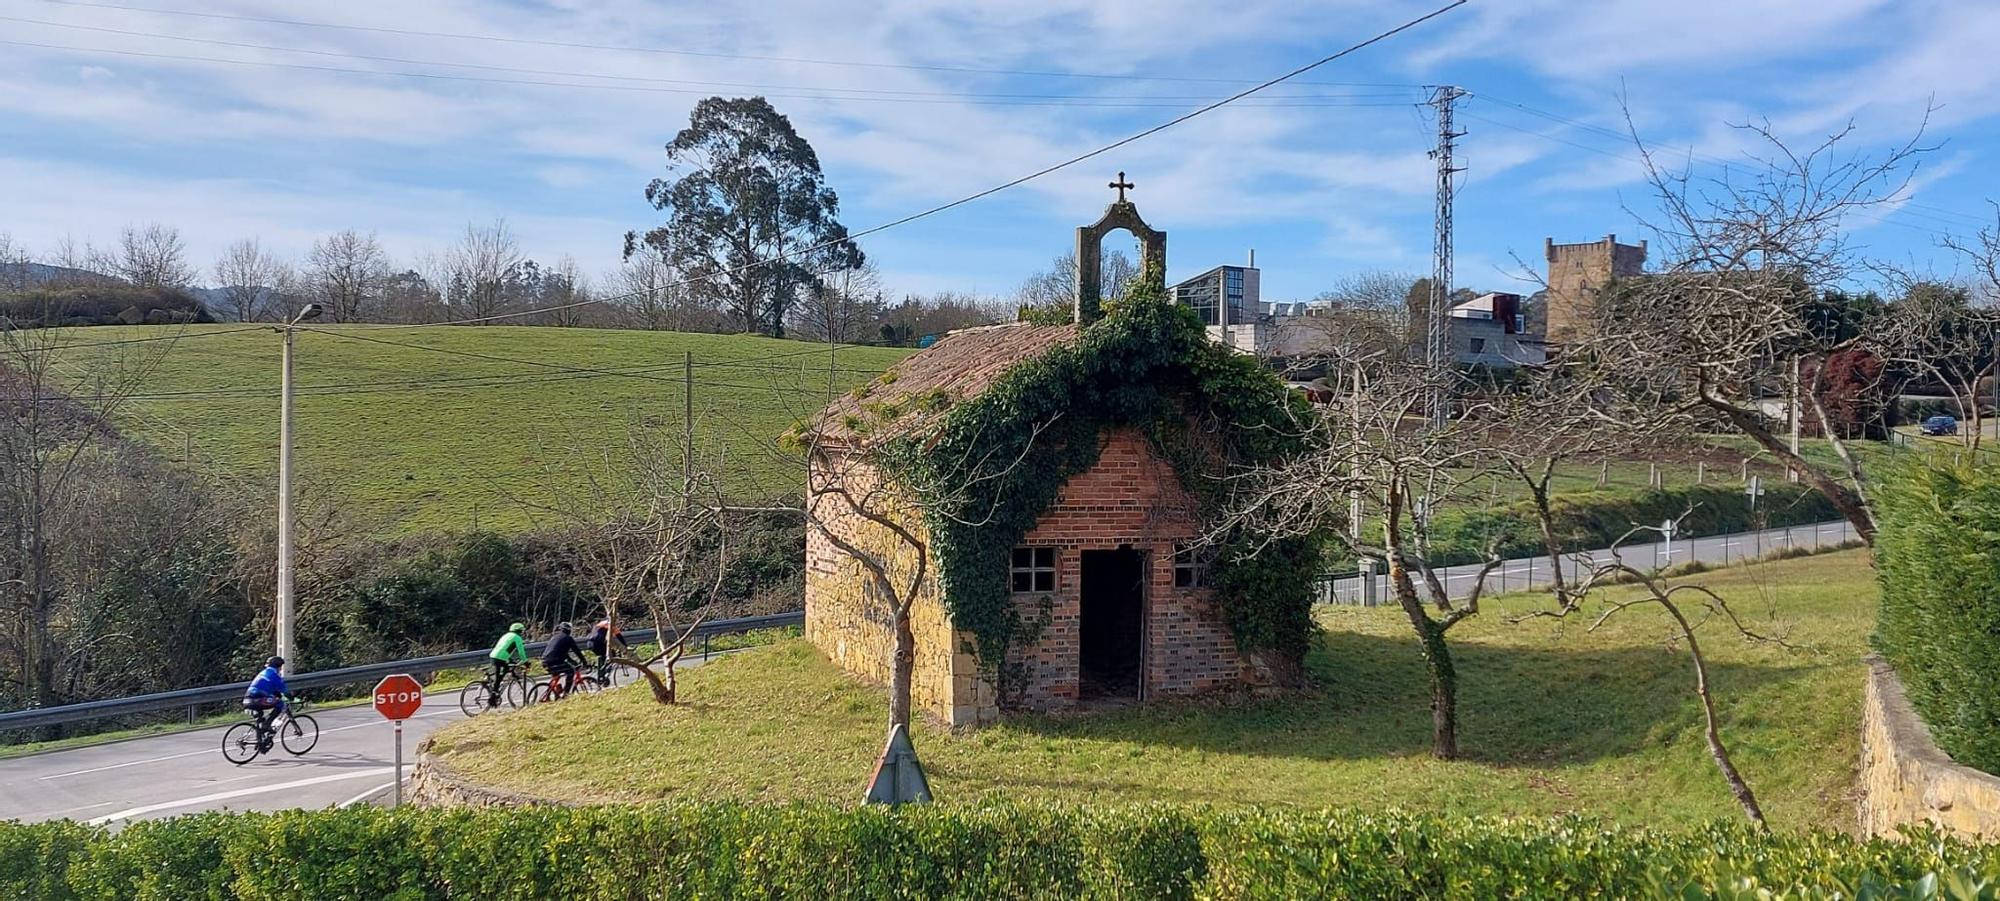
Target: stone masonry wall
{"points": [[849, 623], [1906, 779], [1131, 497], [1577, 272]]}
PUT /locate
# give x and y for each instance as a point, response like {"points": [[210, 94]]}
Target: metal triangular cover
{"points": [[898, 778]]}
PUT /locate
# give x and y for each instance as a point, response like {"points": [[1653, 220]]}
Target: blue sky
{"points": [[914, 102]]}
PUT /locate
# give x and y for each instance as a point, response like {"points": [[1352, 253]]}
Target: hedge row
{"points": [[947, 852], [1594, 519], [1938, 556]]}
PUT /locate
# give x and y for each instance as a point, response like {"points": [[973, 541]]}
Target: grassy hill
{"points": [[449, 427]]}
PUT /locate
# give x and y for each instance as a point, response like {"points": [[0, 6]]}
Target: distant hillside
{"points": [[43, 273], [470, 431]]}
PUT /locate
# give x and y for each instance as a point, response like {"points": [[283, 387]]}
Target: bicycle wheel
{"points": [[299, 734], [545, 691], [473, 697], [590, 684], [239, 744], [519, 693]]}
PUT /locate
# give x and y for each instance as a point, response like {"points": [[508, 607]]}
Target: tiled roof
{"points": [[960, 365]]}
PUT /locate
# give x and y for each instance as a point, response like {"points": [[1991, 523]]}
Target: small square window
{"points": [[1191, 567], [1479, 345], [1033, 570]]}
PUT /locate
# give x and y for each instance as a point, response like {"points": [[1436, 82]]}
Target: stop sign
{"points": [[397, 697]]}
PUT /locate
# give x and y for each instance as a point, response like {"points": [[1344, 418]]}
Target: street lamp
{"points": [[285, 624]]}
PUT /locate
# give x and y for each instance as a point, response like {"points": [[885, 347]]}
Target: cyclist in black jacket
{"points": [[561, 658]]}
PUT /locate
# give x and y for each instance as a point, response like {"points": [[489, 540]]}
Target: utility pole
{"points": [[286, 620], [687, 426], [1443, 99], [1797, 417], [1365, 565]]}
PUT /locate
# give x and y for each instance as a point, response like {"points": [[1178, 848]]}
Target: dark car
{"points": [[1940, 425]]}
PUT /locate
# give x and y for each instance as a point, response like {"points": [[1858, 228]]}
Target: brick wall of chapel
{"points": [[1131, 497], [1134, 497]]}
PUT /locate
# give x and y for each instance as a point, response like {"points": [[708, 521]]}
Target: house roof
{"points": [[959, 366]]}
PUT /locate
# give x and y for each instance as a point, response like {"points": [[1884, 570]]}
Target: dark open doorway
{"points": [[1110, 640]]}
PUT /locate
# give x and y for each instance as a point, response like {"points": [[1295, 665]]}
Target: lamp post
{"points": [[285, 618]]}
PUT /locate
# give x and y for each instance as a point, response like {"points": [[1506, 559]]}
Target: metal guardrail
{"points": [[212, 694]]}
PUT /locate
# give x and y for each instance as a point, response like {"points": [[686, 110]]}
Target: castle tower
{"points": [[1577, 272]]}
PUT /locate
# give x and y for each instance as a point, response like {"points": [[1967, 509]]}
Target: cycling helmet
{"points": [[562, 627], [276, 661], [518, 627]]}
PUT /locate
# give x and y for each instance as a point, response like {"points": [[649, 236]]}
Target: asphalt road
{"points": [[165, 775], [1515, 575]]}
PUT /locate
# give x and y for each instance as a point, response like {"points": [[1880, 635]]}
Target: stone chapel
{"points": [[1111, 564]]}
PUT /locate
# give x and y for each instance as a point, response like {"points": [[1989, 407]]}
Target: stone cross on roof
{"points": [[1121, 184]]}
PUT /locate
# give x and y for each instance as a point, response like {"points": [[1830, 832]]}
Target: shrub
{"points": [[1938, 556], [993, 851], [101, 304]]}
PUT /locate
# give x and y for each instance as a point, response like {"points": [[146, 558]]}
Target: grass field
{"points": [[1554, 719], [418, 434]]}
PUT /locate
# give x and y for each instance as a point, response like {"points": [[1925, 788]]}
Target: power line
{"points": [[174, 337], [693, 87], [705, 54], [1624, 137], [441, 76], [980, 195], [1633, 158]]}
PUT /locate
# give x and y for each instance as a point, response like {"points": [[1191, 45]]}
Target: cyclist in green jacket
{"points": [[511, 649]]}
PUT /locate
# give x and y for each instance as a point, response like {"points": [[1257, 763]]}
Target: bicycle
{"points": [[513, 689], [580, 682], [291, 727]]}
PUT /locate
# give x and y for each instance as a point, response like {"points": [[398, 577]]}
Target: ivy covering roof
{"points": [[961, 365]]}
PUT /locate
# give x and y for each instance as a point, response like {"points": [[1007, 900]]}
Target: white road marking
{"points": [[350, 802], [237, 793], [120, 766]]}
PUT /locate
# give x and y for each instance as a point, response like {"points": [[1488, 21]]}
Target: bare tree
{"points": [[247, 273], [1935, 331], [480, 267], [566, 294], [1727, 316], [645, 533], [53, 428], [1372, 449], [841, 309], [1620, 587], [345, 271], [13, 264], [1056, 286], [150, 257]]}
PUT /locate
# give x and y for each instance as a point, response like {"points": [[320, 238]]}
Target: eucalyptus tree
{"points": [[751, 222]]}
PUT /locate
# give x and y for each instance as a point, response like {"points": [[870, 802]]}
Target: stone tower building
{"points": [[1577, 272]]}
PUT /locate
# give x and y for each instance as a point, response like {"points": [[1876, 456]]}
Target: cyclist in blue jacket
{"points": [[267, 694]]}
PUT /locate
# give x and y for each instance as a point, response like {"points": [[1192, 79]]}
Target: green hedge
{"points": [[951, 852], [1938, 556], [1594, 519]]}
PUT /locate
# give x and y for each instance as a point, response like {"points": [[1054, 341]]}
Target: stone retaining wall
{"points": [[1906, 779], [432, 784]]}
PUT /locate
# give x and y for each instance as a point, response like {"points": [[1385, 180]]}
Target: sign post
{"points": [[1667, 527], [398, 698]]}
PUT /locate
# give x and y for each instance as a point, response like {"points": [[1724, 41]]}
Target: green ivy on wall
{"points": [[1004, 455]]}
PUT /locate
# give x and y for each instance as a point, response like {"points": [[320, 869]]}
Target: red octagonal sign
{"points": [[397, 697]]}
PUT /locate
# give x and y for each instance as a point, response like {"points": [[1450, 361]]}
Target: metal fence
{"points": [[192, 699], [1356, 588]]}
